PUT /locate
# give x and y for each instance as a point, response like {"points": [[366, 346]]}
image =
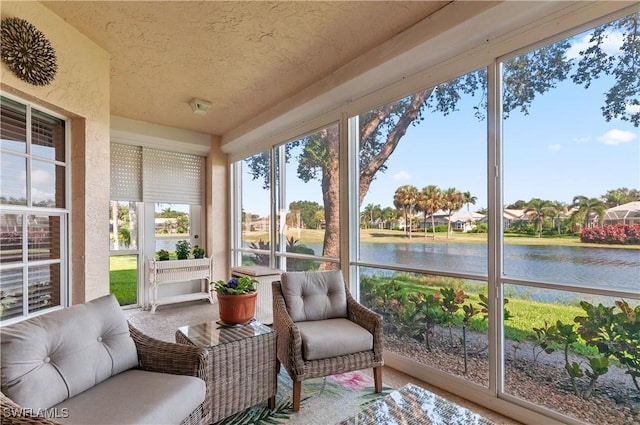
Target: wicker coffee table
{"points": [[242, 364]]}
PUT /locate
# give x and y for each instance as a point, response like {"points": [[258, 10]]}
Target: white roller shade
{"points": [[126, 172], [152, 175], [172, 177]]}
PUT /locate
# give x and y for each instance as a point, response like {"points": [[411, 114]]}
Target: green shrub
{"points": [[183, 249]]}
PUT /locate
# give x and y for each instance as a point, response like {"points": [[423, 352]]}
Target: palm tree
{"points": [[469, 199], [114, 223], [405, 198], [388, 215], [453, 201], [587, 207], [613, 198], [620, 196], [560, 209], [537, 209], [167, 213], [371, 212], [429, 201]]}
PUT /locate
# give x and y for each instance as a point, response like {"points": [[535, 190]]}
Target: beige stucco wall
{"points": [[79, 91], [218, 216]]}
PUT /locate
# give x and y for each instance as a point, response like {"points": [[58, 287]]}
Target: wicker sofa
{"points": [[86, 365]]}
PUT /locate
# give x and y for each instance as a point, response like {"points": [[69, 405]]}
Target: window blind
{"points": [[126, 172], [152, 175], [13, 119], [172, 177]]}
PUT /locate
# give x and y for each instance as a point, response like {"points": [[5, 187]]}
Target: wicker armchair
{"points": [[153, 356], [301, 340]]}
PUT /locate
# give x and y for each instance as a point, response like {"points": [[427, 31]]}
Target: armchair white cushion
{"points": [[322, 339], [314, 296]]}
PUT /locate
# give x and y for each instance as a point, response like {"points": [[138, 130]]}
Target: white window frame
{"points": [[26, 210]]}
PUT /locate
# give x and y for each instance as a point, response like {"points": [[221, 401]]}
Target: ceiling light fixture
{"points": [[199, 106]]}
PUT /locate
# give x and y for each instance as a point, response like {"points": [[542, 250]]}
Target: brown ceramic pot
{"points": [[237, 309]]}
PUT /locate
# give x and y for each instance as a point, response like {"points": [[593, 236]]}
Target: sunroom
{"points": [[336, 152]]}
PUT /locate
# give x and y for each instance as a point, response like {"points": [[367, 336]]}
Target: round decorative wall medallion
{"points": [[27, 52]]}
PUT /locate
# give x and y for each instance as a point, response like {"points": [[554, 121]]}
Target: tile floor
{"points": [[168, 318]]}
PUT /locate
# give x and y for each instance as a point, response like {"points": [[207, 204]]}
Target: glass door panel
{"points": [[124, 228], [123, 274]]}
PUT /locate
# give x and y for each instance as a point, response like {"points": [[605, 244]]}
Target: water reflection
{"points": [[595, 267]]}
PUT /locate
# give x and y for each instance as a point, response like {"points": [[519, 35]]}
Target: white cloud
{"points": [[576, 47], [611, 45], [554, 148], [584, 139], [41, 195], [616, 137], [402, 175], [632, 109], [41, 177]]}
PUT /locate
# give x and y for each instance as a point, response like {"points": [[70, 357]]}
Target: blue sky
{"points": [[562, 149]]}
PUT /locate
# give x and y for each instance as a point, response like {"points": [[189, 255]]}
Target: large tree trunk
{"points": [[424, 223], [433, 225], [331, 196], [368, 172]]}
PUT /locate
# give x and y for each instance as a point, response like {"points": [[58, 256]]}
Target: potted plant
{"points": [[183, 249], [236, 299], [198, 252], [163, 255]]}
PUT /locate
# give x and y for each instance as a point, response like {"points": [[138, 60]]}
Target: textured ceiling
{"points": [[243, 57]]}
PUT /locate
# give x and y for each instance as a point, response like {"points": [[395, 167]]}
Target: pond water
{"points": [[594, 267]]}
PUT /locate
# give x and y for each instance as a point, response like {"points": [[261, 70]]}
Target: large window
{"points": [[306, 187], [309, 201], [33, 210], [492, 222], [423, 203], [422, 180], [254, 220], [571, 154]]}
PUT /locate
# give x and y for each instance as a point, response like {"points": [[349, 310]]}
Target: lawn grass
{"points": [[123, 277], [525, 315], [398, 236]]}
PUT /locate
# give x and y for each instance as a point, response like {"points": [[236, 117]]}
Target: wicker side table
{"points": [[242, 364]]}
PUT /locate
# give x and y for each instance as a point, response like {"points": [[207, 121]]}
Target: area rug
{"points": [[414, 405], [324, 401]]}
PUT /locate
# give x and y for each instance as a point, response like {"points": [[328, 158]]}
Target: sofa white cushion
{"points": [[135, 397], [50, 358], [332, 338], [314, 295]]}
